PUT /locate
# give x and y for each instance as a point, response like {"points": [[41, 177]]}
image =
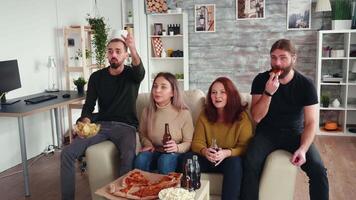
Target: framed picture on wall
{"points": [[205, 18], [250, 9], [299, 14], [154, 6]]}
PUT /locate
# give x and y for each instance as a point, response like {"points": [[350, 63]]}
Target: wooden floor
{"points": [[44, 181], [338, 153]]}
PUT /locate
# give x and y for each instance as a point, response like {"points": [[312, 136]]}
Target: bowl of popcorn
{"points": [[86, 130], [176, 194]]}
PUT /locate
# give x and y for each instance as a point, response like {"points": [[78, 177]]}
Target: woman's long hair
{"points": [[176, 101], [233, 107]]}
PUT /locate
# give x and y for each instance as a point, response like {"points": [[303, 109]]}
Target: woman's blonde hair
{"points": [[176, 101]]}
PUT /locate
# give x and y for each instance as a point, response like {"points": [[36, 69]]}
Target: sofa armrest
{"points": [[278, 178], [102, 164]]}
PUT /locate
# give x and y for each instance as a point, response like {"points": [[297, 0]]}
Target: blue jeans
{"points": [[163, 162]]}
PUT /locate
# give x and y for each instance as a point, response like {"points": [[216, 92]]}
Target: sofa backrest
{"points": [[195, 100]]}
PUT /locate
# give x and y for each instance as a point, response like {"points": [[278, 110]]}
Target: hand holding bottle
{"points": [[170, 146], [221, 155], [209, 153]]}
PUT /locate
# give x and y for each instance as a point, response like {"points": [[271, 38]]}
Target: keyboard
{"points": [[40, 99]]}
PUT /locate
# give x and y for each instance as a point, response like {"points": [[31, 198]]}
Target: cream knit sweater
{"points": [[180, 126]]}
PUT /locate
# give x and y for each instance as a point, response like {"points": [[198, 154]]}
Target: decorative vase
{"points": [[129, 20], [340, 24], [80, 89], [336, 103]]}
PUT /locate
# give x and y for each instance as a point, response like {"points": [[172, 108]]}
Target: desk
{"points": [[21, 109]]}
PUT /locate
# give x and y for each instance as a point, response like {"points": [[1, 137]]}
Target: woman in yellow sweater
{"points": [[224, 120], [166, 106]]}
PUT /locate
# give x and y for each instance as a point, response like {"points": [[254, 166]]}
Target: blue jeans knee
{"points": [[143, 160], [167, 162]]}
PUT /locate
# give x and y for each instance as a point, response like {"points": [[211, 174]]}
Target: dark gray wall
{"points": [[240, 49]]}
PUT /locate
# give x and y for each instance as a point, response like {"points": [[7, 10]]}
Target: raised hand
{"points": [[272, 83], [129, 41]]}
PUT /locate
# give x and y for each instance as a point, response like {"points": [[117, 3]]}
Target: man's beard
{"points": [[285, 71], [115, 65]]}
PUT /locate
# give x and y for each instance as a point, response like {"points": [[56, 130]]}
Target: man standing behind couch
{"points": [[116, 89], [284, 104]]}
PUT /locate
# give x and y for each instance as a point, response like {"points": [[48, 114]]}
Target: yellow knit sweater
{"points": [[234, 136], [180, 126]]}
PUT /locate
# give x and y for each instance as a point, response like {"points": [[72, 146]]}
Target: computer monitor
{"points": [[9, 79]]}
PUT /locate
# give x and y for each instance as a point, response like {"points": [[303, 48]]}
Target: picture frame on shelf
{"points": [[204, 18], [250, 9], [299, 15], [157, 28]]}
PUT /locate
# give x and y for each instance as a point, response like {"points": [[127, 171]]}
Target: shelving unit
{"points": [[178, 66], [126, 7], [81, 35], [336, 78]]}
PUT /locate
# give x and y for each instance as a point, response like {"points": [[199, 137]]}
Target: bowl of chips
{"points": [[86, 130], [176, 194]]}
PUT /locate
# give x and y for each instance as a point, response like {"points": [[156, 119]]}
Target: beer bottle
{"points": [[196, 183], [167, 135]]}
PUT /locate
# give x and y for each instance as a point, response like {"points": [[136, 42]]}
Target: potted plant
{"points": [[88, 54], [100, 37], [341, 14], [80, 82], [129, 17], [325, 100]]}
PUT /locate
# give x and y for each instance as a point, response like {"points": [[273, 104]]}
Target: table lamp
{"points": [[322, 6], [52, 78]]}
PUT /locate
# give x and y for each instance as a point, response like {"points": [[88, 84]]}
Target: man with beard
{"points": [[116, 89], [284, 104]]}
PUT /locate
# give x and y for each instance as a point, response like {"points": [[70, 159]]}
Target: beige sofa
{"points": [[277, 181]]}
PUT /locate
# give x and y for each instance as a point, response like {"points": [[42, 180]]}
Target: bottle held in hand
{"points": [[167, 135], [214, 145]]}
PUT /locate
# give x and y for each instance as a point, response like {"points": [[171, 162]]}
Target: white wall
{"points": [[31, 30]]}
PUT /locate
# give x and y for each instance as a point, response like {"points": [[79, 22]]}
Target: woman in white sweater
{"points": [[166, 107]]}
